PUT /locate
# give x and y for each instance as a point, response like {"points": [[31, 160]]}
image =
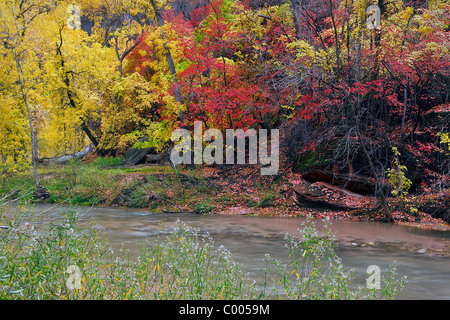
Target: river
{"points": [[417, 253]]}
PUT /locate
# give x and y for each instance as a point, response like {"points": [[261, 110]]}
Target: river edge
{"points": [[377, 243], [202, 191], [369, 236]]}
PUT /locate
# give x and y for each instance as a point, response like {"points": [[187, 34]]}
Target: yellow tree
{"points": [[76, 70], [117, 23], [21, 84], [14, 139], [141, 103], [129, 106]]}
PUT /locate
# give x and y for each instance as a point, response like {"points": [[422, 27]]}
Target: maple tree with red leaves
{"points": [[215, 87]]}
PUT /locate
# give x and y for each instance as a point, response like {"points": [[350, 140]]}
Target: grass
{"points": [[53, 257], [105, 182], [203, 207], [95, 183], [107, 161], [315, 272]]}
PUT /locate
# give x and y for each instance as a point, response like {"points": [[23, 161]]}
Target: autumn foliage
{"points": [[311, 68]]}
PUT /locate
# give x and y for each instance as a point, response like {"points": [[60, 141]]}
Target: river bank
{"points": [[207, 190]]}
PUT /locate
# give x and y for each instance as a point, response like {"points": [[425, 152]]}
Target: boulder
{"points": [[158, 158], [41, 193], [148, 155], [137, 155]]}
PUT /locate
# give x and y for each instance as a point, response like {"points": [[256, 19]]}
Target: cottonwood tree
{"points": [[76, 70], [21, 77], [117, 23]]}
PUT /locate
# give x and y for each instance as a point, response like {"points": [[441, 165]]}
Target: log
{"points": [[358, 184], [322, 195], [77, 155]]}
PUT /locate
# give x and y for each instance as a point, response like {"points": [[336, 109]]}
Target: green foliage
{"points": [[267, 201], [203, 207], [34, 258], [83, 184], [400, 183], [397, 178], [158, 134], [107, 161], [187, 265]]}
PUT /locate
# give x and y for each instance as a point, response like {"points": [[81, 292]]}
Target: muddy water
{"points": [[417, 254]]}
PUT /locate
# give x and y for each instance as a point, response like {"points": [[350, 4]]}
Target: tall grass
{"points": [[316, 272], [52, 257], [187, 265]]}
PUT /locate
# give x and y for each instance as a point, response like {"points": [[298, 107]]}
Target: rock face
{"points": [[136, 155], [158, 158], [326, 196], [149, 155]]}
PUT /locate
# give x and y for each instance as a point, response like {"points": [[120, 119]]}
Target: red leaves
{"points": [[214, 85], [428, 148]]}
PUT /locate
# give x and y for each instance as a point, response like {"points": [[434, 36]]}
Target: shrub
{"points": [[187, 265], [316, 272]]}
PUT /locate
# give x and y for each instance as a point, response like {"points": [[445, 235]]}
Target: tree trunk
{"points": [[72, 103], [383, 202], [30, 122], [88, 132], [121, 57], [405, 99], [3, 171], [40, 191], [296, 10]]}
